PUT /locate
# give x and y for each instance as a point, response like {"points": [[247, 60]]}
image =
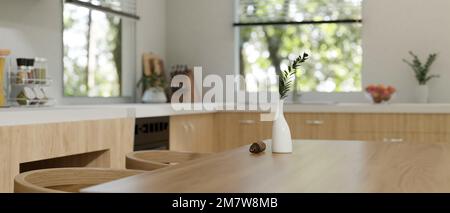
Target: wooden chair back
{"points": [[151, 160], [65, 180]]}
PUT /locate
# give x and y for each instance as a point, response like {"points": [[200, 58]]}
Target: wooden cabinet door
{"points": [[266, 130], [249, 128], [395, 128], [414, 123], [203, 140], [240, 128], [403, 137], [192, 133], [235, 129], [181, 137], [319, 126]]}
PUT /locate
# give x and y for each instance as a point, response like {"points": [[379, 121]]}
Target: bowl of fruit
{"points": [[380, 93]]}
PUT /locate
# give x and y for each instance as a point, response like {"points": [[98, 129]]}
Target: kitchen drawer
{"points": [[236, 129], [404, 137], [319, 126], [414, 123], [249, 125]]}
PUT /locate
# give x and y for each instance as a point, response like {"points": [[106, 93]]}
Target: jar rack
{"points": [[16, 85], [22, 102], [15, 82]]}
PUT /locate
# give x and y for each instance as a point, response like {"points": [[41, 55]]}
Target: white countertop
{"points": [[28, 116], [25, 116], [370, 108], [153, 110]]}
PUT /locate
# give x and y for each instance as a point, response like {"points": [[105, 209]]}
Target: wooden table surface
{"points": [[315, 166]]}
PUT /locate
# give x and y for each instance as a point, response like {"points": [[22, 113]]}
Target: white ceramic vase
{"points": [[154, 95], [422, 94], [281, 134]]}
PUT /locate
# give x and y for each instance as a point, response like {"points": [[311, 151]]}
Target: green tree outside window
{"points": [[335, 48]]}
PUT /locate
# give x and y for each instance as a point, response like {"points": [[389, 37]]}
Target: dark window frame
{"points": [[274, 23]]}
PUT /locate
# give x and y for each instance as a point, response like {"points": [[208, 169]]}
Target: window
{"points": [[99, 48], [272, 32]]}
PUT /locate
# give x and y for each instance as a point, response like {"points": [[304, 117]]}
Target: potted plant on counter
{"points": [[422, 74], [154, 86], [281, 134]]}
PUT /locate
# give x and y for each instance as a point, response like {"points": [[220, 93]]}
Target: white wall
{"points": [[392, 28], [200, 33], [151, 31], [34, 28]]}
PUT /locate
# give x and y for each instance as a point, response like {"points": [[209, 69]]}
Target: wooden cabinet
{"points": [[239, 129], [193, 133], [403, 137], [206, 133], [319, 126], [99, 143], [228, 130], [396, 128], [424, 123]]}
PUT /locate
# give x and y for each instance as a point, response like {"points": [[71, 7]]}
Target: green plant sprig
{"points": [[421, 70], [286, 77]]}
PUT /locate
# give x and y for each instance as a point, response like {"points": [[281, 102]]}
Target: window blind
{"points": [[123, 8], [298, 11]]}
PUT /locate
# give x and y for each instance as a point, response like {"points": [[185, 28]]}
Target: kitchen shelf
{"points": [[31, 103], [32, 82]]}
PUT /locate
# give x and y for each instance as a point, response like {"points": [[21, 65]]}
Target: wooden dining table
{"points": [[314, 166]]}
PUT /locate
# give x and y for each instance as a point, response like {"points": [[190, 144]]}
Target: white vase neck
{"points": [[280, 108]]}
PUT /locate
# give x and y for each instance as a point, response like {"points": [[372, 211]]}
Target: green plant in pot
{"points": [[422, 74], [154, 86]]}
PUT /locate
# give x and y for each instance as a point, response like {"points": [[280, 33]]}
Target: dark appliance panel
{"points": [[152, 134]]}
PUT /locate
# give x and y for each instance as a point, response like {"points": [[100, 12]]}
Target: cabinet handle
{"points": [[247, 122], [393, 140], [315, 122]]}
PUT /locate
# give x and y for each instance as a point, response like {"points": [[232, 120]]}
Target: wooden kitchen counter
{"points": [[315, 166], [90, 143]]}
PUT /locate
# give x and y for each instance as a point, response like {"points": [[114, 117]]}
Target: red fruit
{"points": [[380, 92], [386, 96], [370, 88], [376, 95], [391, 90]]}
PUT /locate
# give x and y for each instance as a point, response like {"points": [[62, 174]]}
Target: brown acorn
{"points": [[258, 147]]}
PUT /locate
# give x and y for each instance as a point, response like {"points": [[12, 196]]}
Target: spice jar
{"points": [[36, 70], [40, 70], [21, 76], [26, 97], [3, 65], [29, 70], [43, 69]]}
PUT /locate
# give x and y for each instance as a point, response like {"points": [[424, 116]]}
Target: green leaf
{"points": [[421, 71], [286, 77]]}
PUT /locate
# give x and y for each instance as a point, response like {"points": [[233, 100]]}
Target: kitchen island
{"points": [[101, 135], [55, 137], [314, 166]]}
